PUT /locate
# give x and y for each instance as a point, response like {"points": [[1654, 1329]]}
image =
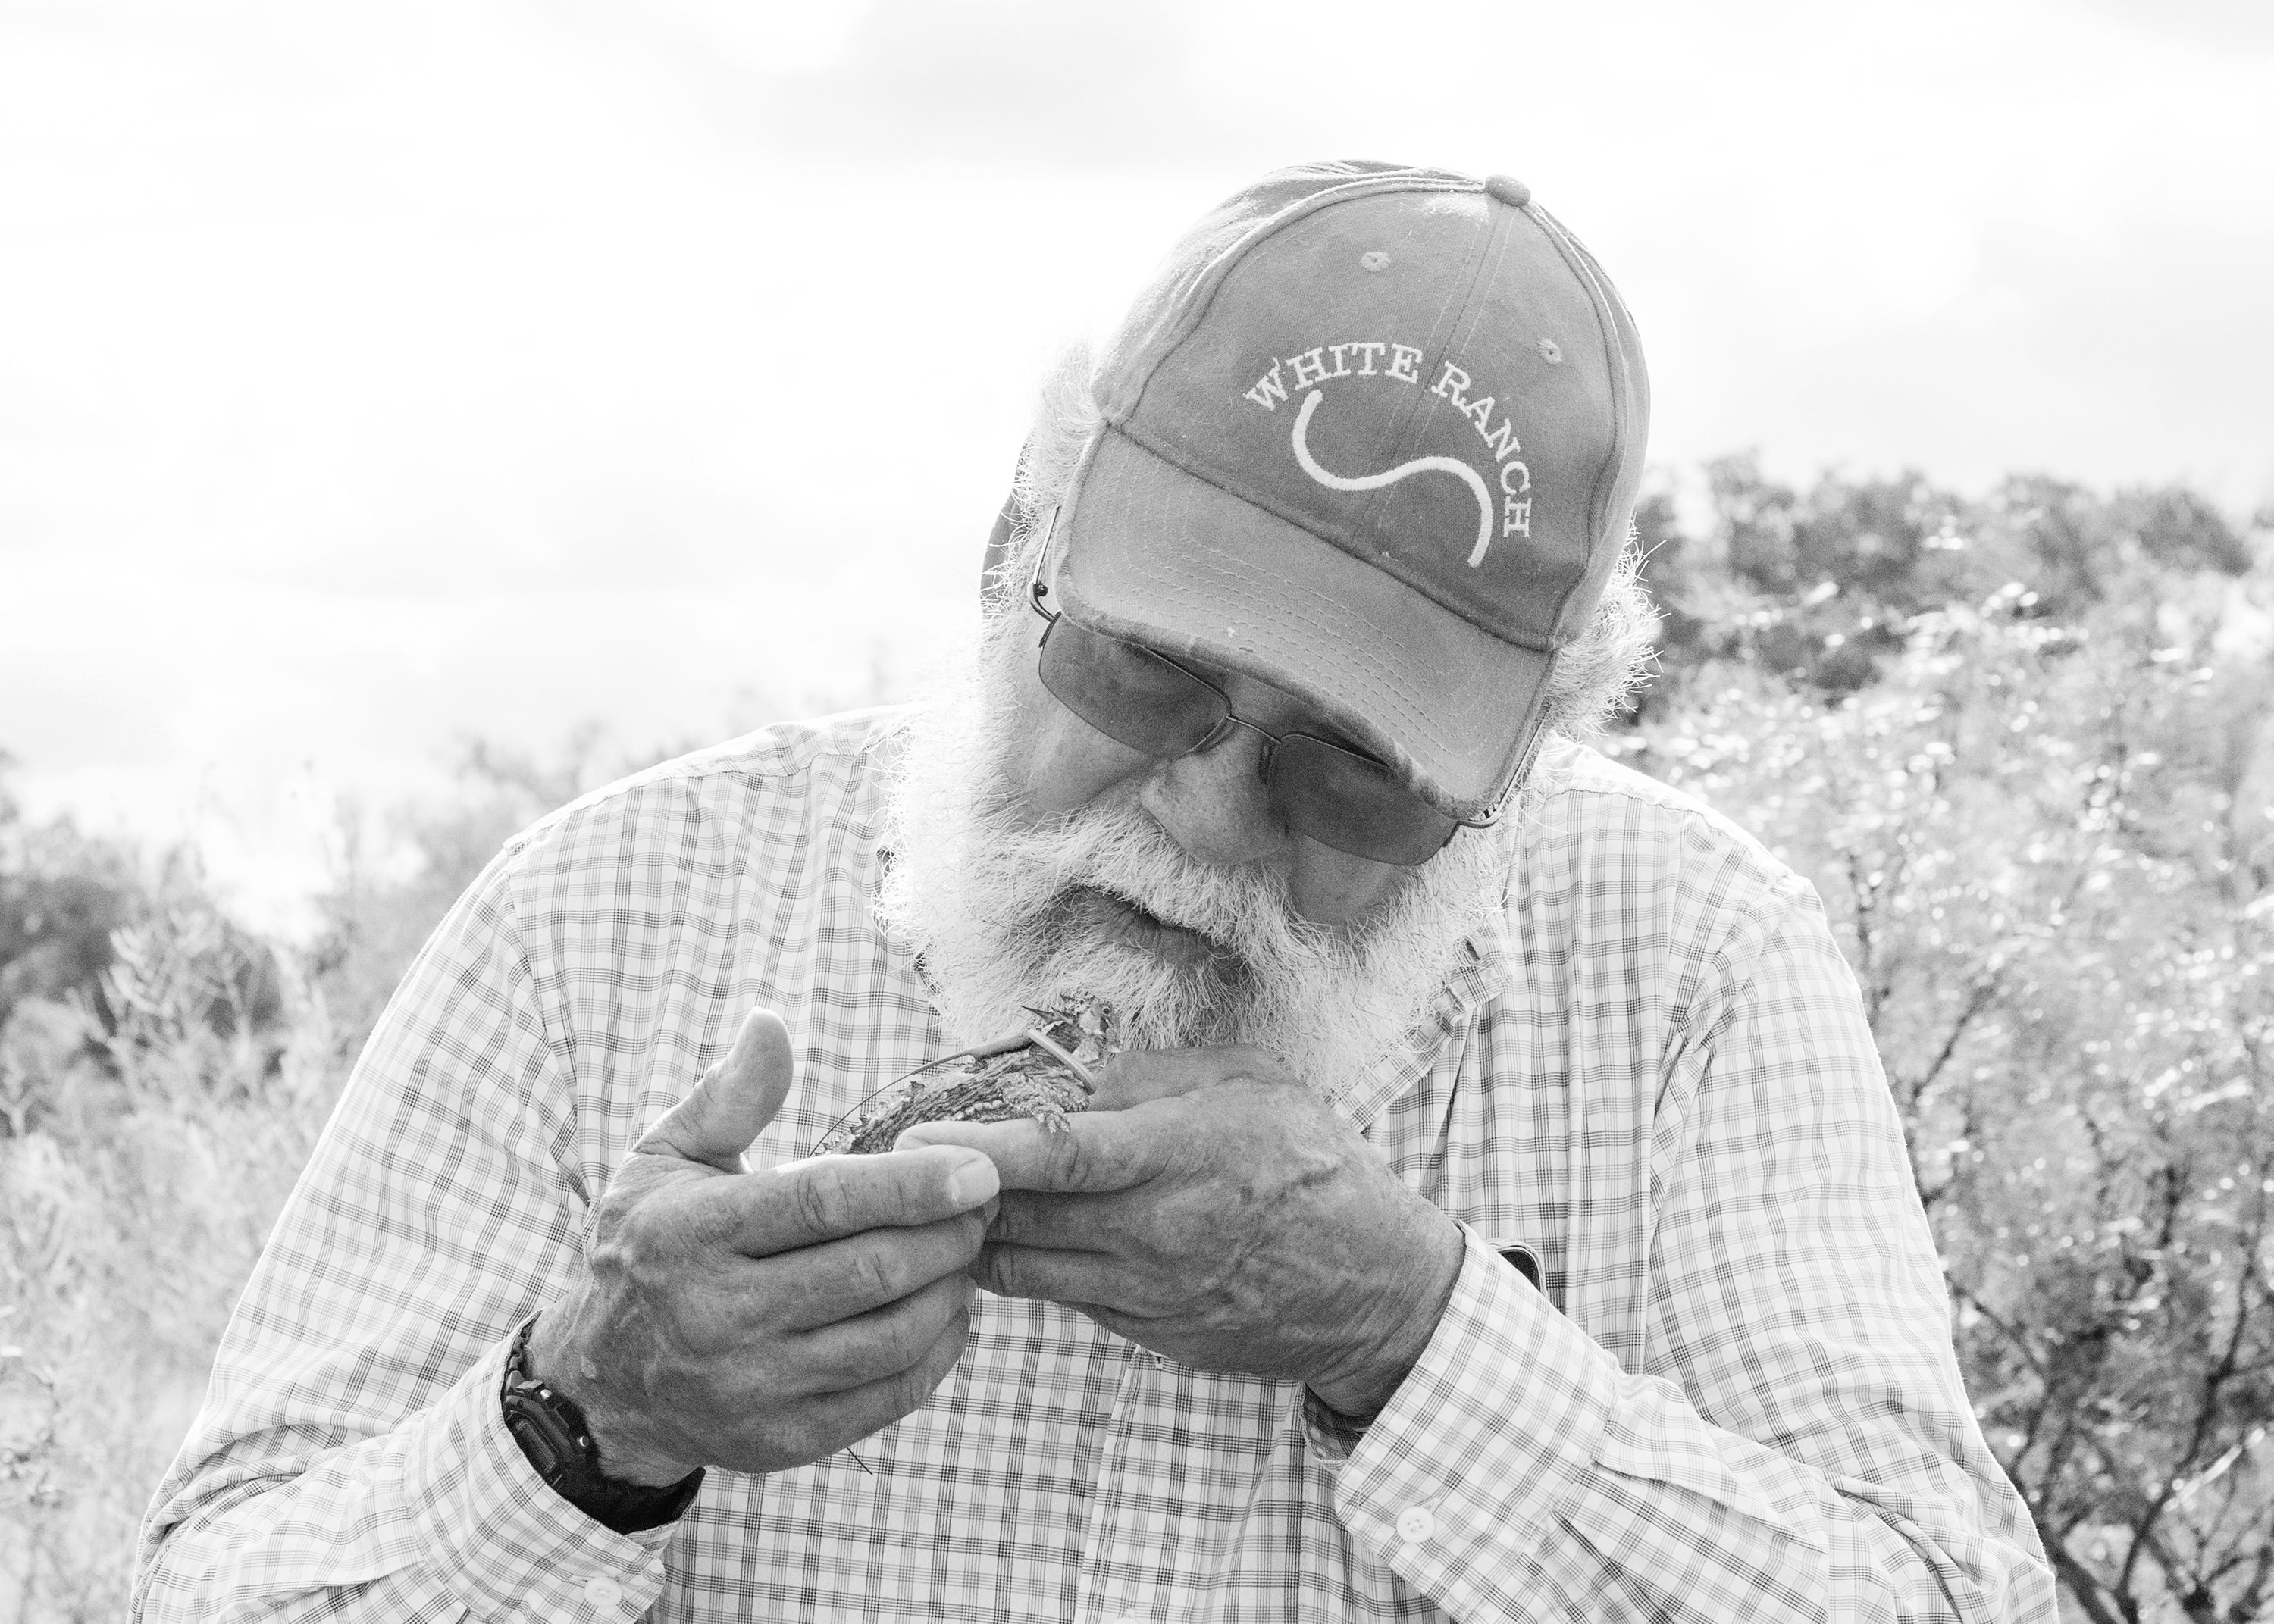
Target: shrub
{"points": [[2047, 850]]}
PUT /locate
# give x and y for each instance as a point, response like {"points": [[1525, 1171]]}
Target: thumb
{"points": [[739, 1095]]}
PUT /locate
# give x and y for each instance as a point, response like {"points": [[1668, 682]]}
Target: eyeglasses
{"points": [[1151, 702]]}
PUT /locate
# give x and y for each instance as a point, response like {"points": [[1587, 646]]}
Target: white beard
{"points": [[1005, 910]]}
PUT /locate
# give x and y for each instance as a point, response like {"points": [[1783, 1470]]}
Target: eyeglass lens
{"points": [[1335, 796]]}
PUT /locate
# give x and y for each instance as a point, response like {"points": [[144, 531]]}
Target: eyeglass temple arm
{"points": [[1038, 588]]}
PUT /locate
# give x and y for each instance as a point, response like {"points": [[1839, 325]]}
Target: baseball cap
{"points": [[1373, 435]]}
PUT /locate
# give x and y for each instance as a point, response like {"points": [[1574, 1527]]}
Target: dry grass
{"points": [[143, 1172]]}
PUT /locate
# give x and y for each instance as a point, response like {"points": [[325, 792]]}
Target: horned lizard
{"points": [[1046, 1072]]}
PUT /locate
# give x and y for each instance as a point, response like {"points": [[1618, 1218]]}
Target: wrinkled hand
{"points": [[1210, 1208], [761, 1320]]}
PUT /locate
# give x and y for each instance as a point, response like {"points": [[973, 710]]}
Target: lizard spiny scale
{"points": [[1021, 1076]]}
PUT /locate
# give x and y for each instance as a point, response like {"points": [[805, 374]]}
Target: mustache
{"points": [[1108, 911], [1119, 852]]}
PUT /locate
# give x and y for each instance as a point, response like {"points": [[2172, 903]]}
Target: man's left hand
{"points": [[1209, 1207]]}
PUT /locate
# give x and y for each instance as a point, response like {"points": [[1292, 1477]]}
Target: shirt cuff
{"points": [[1496, 1426], [1331, 1434], [504, 1543]]}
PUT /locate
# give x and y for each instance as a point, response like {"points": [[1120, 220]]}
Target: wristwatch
{"points": [[1523, 1259], [550, 1429]]}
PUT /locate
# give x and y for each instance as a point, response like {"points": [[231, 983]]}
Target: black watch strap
{"points": [[550, 1431]]}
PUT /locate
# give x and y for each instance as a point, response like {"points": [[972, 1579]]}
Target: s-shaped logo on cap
{"points": [[1312, 367], [1391, 476]]}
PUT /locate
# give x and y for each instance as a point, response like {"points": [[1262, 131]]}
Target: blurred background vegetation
{"points": [[2023, 745]]}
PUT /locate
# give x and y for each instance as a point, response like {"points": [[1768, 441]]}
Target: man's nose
{"points": [[1213, 801]]}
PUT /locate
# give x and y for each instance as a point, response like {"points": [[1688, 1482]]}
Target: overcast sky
{"points": [[373, 376]]}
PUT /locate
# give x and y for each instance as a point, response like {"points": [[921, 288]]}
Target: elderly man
{"points": [[1499, 1211]]}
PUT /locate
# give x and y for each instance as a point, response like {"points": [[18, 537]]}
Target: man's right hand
{"points": [[761, 1320]]}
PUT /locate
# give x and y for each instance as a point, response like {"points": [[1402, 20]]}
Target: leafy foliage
{"points": [[61, 896], [1820, 585], [2046, 840]]}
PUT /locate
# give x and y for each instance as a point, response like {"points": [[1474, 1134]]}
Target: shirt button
{"points": [[602, 1591], [1416, 1524]]}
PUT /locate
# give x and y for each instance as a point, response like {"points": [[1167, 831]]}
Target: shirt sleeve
{"points": [[1797, 1443], [351, 1460]]}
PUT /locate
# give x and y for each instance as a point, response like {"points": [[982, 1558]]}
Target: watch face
{"points": [[552, 1456], [1525, 1262], [551, 1431]]}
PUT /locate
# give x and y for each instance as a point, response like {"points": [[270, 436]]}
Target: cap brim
{"points": [[1152, 553]]}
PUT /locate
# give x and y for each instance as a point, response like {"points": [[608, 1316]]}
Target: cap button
{"points": [[1509, 189]]}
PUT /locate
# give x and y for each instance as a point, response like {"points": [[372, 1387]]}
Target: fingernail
{"points": [[973, 1182]]}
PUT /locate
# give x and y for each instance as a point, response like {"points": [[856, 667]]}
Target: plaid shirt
{"points": [[1736, 1399]]}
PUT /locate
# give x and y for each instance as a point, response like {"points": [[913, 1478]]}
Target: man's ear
{"points": [[992, 585]]}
